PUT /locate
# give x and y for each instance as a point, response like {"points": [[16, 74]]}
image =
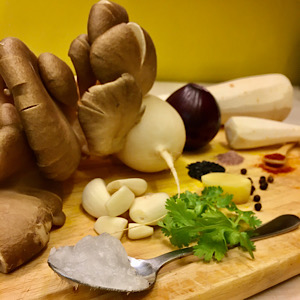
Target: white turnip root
{"points": [[155, 142]]}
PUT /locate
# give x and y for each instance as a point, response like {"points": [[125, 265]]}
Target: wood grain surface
{"points": [[236, 277]]}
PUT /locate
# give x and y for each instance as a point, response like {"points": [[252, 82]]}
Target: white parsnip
{"points": [[267, 96], [149, 208], [138, 231], [119, 202], [94, 197], [250, 132], [137, 185], [115, 226]]}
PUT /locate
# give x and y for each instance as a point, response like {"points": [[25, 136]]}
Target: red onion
{"points": [[199, 112]]}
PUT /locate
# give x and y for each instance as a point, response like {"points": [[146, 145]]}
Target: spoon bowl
{"points": [[148, 268], [278, 158]]}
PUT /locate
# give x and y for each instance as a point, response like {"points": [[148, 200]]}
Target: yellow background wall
{"points": [[196, 40]]}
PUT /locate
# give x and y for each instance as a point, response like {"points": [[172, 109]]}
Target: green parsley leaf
{"points": [[211, 220]]}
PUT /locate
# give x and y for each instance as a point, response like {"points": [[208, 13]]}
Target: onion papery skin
{"points": [[200, 113]]}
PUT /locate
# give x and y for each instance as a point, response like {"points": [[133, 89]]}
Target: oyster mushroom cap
{"points": [[51, 200], [107, 113], [58, 79], [5, 95], [104, 15], [125, 48], [15, 47], [48, 132], [79, 52], [25, 224], [13, 144]]}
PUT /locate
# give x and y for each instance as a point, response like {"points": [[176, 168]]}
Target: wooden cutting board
{"points": [[236, 277]]}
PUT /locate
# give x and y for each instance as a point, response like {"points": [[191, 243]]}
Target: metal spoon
{"points": [[148, 268]]}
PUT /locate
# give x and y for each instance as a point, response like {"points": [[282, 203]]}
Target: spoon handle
{"points": [[159, 261], [286, 148], [277, 226]]}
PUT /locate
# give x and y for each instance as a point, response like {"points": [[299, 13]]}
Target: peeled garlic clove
{"points": [[119, 202], [94, 197], [234, 184], [138, 231], [137, 185], [113, 225], [148, 209]]}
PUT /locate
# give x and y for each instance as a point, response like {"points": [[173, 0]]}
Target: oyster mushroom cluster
{"points": [[50, 119], [121, 57]]}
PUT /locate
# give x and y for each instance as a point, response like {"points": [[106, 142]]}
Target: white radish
{"points": [[267, 96], [250, 132], [155, 142], [94, 198], [137, 185]]}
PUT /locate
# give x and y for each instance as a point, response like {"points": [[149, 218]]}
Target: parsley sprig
{"points": [[194, 218]]}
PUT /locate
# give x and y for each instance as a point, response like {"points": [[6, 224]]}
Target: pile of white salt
{"points": [[98, 261]]}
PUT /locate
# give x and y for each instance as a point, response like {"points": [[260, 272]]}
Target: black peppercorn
{"points": [[198, 169], [262, 179], [263, 186], [257, 206], [252, 189], [256, 198], [243, 171], [270, 179]]}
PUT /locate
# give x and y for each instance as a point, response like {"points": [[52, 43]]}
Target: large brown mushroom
{"points": [[25, 224], [48, 132], [107, 113]]}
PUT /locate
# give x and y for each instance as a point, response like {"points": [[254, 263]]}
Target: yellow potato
{"points": [[237, 185]]}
